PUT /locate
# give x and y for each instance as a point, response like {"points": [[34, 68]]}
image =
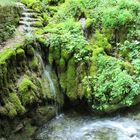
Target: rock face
{"points": [[21, 83], [9, 18], [24, 93]]}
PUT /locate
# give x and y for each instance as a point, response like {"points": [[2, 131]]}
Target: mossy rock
{"points": [[63, 81], [27, 91], [50, 58], [129, 67], [90, 23], [71, 80], [33, 64], [11, 110], [13, 106], [102, 42], [62, 64], [14, 99], [7, 54], [43, 114], [93, 68], [30, 51], [20, 54], [38, 24]]}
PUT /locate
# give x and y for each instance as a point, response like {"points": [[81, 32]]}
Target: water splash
{"points": [[75, 127]]}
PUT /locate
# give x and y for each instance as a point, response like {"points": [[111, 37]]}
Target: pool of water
{"points": [[72, 126]]}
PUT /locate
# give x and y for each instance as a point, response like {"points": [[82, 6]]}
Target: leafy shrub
{"points": [[112, 85], [68, 35]]}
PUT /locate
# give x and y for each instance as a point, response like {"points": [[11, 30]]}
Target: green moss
{"points": [[50, 58], [34, 64], [14, 99], [71, 80], [89, 23], [65, 54], [41, 40], [129, 67], [45, 18], [20, 54], [93, 67], [29, 130], [81, 72], [30, 51], [38, 24], [38, 32], [63, 81], [27, 91], [11, 110], [12, 106], [102, 42], [52, 10], [62, 64], [6, 54], [56, 55]]}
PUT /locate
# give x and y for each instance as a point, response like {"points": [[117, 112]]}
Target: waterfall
{"points": [[27, 19], [47, 75], [83, 24]]}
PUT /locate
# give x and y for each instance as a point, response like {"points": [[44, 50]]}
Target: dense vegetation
{"points": [[101, 64], [7, 2], [92, 46], [98, 64]]}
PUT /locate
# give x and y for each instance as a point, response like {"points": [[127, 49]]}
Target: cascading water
{"points": [[47, 75], [83, 24], [73, 126], [27, 18], [27, 24]]}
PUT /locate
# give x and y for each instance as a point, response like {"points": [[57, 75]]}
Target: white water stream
{"points": [[76, 127], [46, 73], [27, 19], [83, 23]]}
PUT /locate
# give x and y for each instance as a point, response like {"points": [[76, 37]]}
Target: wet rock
{"points": [[44, 114], [3, 139], [19, 127]]}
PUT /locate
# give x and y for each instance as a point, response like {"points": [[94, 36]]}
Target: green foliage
{"points": [[114, 17], [111, 85], [68, 36], [115, 14], [7, 2], [26, 2], [102, 42], [130, 50], [104, 66]]}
